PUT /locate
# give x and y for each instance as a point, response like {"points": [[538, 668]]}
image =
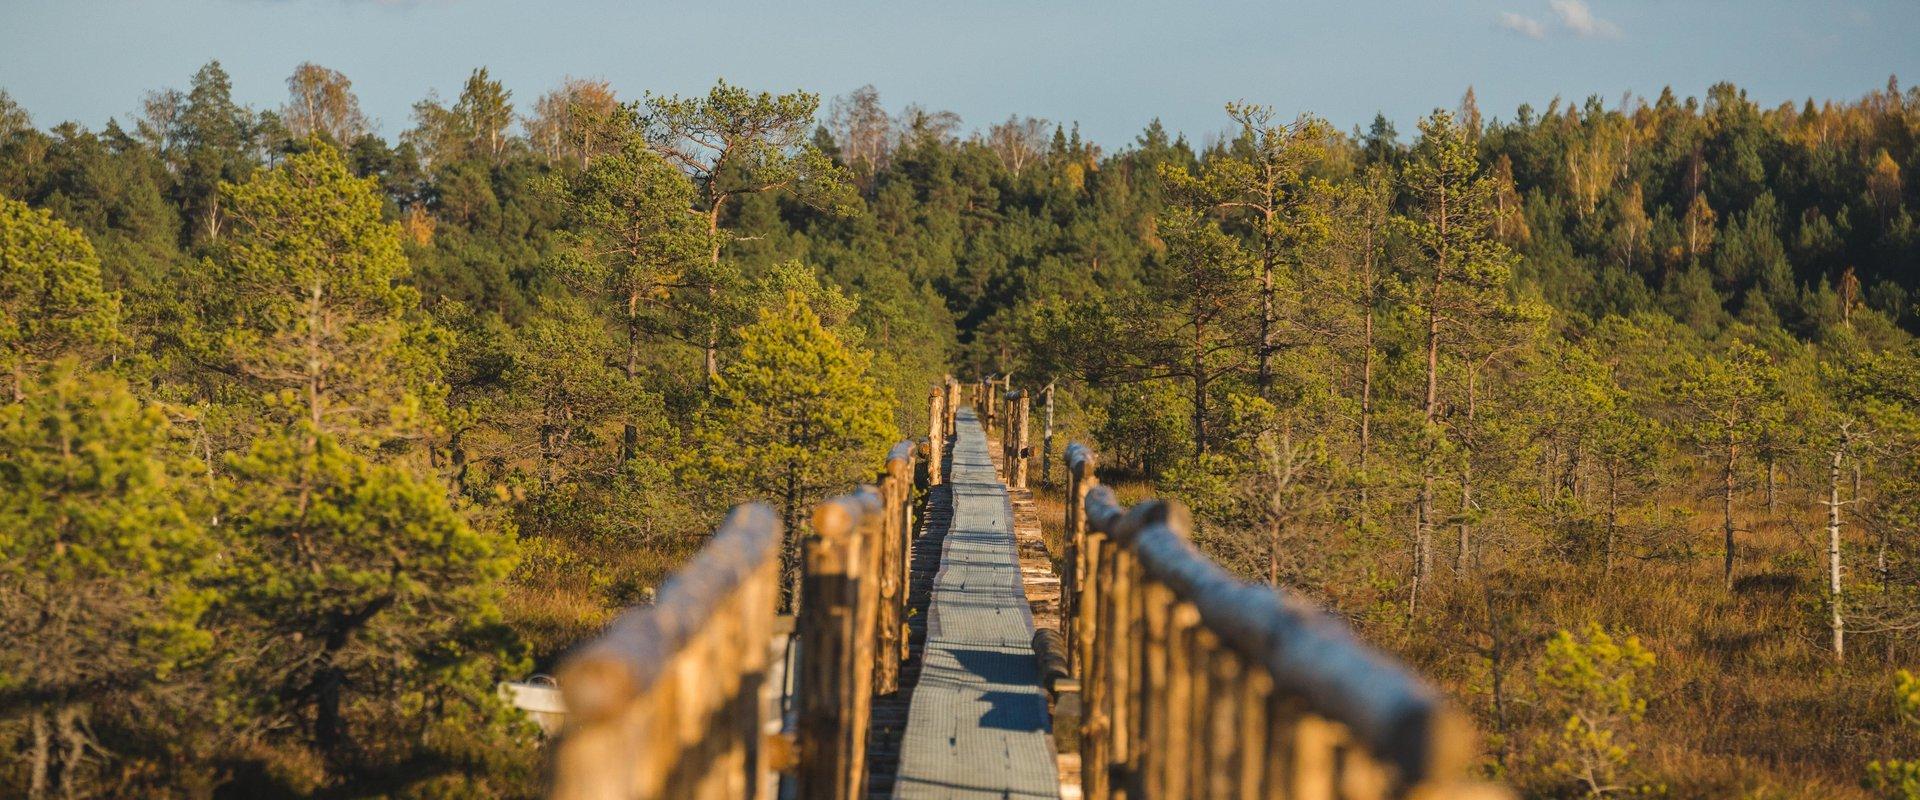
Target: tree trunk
{"points": [[1497, 669], [1267, 257], [1199, 389], [1772, 497], [630, 433], [790, 548], [1613, 515], [1835, 619], [1423, 519], [713, 292], [40, 764], [457, 445], [1366, 385], [1273, 552], [1466, 482], [1726, 504]]}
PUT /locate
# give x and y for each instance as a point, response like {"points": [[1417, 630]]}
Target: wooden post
{"points": [[1007, 440], [1046, 440], [936, 433], [896, 496], [1020, 451], [839, 594], [1082, 546], [952, 406], [993, 401]]}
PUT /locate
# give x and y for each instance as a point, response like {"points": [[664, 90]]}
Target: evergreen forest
{"points": [[1602, 413]]}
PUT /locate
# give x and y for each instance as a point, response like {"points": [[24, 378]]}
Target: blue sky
{"points": [[1112, 66]]}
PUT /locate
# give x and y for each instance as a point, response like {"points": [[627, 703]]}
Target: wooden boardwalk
{"points": [[1191, 683], [977, 724]]}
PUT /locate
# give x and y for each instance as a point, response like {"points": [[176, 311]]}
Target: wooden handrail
{"points": [[1013, 439], [936, 432], [852, 625], [667, 702], [1198, 684], [895, 565]]}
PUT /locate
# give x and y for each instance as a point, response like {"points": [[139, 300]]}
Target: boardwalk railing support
{"points": [[1022, 453], [852, 626], [894, 567], [1014, 452], [1046, 438], [839, 601], [1197, 684], [951, 406], [667, 702], [936, 432]]}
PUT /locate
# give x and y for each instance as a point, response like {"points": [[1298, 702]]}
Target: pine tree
{"points": [[1199, 299], [1725, 398], [377, 599], [733, 144], [51, 302], [1260, 178], [795, 416], [314, 319], [103, 550], [1460, 282], [371, 603], [633, 243]]}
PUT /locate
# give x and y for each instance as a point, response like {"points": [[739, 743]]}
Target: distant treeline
{"points": [[316, 435]]}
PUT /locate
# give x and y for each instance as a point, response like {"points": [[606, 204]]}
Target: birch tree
{"points": [[321, 102]]}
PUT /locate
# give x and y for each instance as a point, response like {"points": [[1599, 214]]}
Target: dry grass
{"points": [[1745, 701], [565, 591], [1050, 502]]}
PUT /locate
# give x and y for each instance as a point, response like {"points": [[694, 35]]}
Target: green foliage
{"points": [[51, 300], [796, 414], [1596, 267], [104, 547], [632, 237], [737, 142], [310, 305], [1593, 682], [375, 602], [1894, 778]]}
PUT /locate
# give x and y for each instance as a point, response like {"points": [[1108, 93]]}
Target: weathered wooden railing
{"points": [[853, 632], [1014, 450], [1198, 684], [670, 701]]}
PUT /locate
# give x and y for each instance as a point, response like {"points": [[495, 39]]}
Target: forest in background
{"points": [[1604, 416]]}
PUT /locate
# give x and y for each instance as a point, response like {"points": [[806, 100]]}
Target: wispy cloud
{"points": [[1523, 25], [1578, 17]]}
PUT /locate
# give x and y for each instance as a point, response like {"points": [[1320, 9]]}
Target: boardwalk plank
{"points": [[977, 725]]}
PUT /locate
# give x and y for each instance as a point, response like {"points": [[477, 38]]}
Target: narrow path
{"points": [[977, 725], [889, 725]]}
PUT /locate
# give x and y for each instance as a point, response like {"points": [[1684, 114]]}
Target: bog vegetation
{"points": [[1605, 416]]}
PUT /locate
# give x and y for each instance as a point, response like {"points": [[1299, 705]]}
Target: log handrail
{"points": [[667, 701], [1014, 451], [852, 625], [1198, 684]]}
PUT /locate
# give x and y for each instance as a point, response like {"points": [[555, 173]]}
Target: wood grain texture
{"points": [[1198, 684]]}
